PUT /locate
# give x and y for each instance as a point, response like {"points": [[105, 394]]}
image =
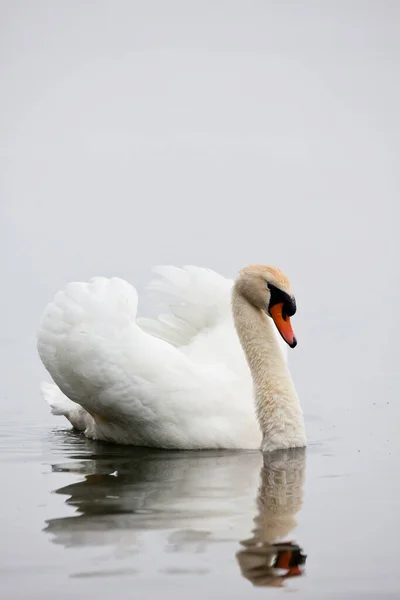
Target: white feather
{"points": [[179, 381]]}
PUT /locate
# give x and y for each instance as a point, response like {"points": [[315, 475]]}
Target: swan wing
{"points": [[196, 300], [89, 342], [100, 359]]}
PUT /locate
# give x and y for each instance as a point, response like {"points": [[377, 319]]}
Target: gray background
{"points": [[216, 134]]}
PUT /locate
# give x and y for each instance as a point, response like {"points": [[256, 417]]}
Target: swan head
{"points": [[268, 289]]}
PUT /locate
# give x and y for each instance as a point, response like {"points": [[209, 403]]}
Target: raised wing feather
{"points": [[139, 389], [199, 298]]}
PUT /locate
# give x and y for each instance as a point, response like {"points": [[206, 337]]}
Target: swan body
{"points": [[181, 381]]}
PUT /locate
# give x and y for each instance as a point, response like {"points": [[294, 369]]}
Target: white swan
{"points": [[181, 381]]}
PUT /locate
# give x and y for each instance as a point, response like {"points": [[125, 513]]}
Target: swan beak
{"points": [[283, 324]]}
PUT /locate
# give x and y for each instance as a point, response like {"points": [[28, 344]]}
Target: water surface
{"points": [[83, 518]]}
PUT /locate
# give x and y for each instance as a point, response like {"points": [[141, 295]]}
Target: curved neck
{"points": [[277, 404]]}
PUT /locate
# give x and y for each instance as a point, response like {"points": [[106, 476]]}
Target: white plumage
{"points": [[179, 381]]}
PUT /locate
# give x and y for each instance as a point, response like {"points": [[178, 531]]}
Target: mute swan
{"points": [[181, 381]]}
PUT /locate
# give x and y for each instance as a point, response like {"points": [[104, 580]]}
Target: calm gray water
{"points": [[141, 133], [81, 518]]}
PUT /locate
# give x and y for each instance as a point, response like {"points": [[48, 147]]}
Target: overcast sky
{"points": [[211, 133]]}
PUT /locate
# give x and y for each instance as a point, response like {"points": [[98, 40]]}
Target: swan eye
{"points": [[278, 296]]}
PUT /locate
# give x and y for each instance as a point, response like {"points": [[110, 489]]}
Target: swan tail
{"points": [[62, 406], [199, 298], [58, 402]]}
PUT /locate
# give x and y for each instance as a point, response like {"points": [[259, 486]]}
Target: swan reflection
{"points": [[190, 500], [268, 557]]}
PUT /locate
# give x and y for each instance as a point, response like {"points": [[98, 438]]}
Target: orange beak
{"points": [[283, 324]]}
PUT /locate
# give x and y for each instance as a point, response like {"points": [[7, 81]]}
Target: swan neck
{"points": [[277, 404]]}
